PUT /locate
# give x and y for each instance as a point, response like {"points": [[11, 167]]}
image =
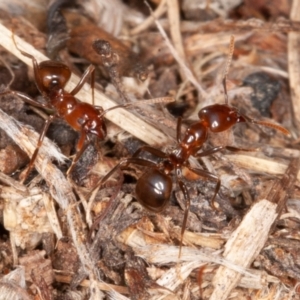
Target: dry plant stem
{"points": [[121, 117], [175, 276], [174, 20], [161, 9], [249, 238], [258, 164], [116, 296], [166, 254], [52, 216], [294, 62], [85, 283], [11, 182], [207, 41], [59, 188], [188, 73], [13, 249]]}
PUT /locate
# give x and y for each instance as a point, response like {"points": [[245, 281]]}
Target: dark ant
{"points": [[51, 78], [154, 187]]}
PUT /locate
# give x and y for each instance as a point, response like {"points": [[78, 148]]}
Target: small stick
{"points": [[188, 73], [294, 63], [86, 283], [174, 21], [160, 10]]}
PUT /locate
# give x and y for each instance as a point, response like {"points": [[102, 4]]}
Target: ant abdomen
{"points": [[219, 117], [153, 190]]}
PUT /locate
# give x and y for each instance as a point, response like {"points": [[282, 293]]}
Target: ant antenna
{"points": [[267, 124], [229, 59], [140, 102], [8, 67]]}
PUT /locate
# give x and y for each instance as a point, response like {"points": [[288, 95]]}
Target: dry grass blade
{"points": [[174, 20], [86, 283], [185, 69], [160, 10]]}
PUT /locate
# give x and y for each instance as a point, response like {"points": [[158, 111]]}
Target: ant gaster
{"points": [[51, 78], [154, 187]]}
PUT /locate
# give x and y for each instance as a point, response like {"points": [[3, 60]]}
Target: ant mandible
{"points": [[51, 78], [154, 187]]}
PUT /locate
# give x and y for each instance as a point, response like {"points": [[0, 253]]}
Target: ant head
{"points": [[220, 117], [52, 75]]}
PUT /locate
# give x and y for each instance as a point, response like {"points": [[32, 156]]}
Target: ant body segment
{"points": [[51, 78], [154, 187]]}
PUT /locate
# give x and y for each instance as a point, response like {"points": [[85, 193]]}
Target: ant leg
{"points": [[123, 162], [178, 130], [209, 176], [210, 151], [80, 147], [186, 212], [235, 149], [26, 99], [200, 278], [90, 71], [126, 162], [34, 63], [150, 150], [220, 148], [39, 143], [137, 103]]}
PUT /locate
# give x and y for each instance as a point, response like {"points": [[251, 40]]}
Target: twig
{"points": [[12, 182], [294, 62], [258, 164], [174, 20], [188, 73], [85, 283], [160, 10], [249, 238]]}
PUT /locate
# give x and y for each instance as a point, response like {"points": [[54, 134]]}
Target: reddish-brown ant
{"points": [[51, 78], [154, 187]]}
